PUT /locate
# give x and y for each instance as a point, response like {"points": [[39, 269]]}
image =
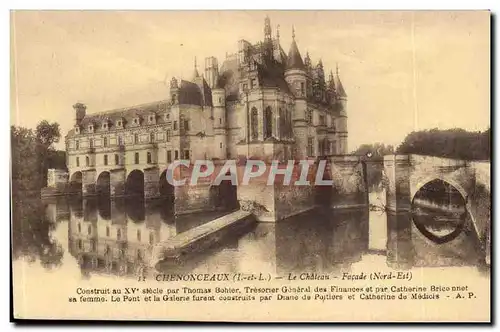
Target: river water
{"points": [[69, 242]]}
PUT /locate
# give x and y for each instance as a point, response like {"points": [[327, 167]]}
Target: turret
{"points": [[195, 72], [295, 74], [80, 111]]}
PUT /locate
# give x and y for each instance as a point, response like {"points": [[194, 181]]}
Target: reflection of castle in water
{"points": [[117, 237]]}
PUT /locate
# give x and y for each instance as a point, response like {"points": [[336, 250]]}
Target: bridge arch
{"points": [[436, 221], [166, 190], [134, 185], [76, 181], [420, 184], [103, 184]]}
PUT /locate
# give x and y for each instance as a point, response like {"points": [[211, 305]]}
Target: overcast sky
{"points": [[402, 71]]}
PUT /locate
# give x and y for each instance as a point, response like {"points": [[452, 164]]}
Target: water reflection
{"points": [[117, 237]]}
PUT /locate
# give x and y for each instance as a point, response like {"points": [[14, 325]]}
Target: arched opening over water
{"points": [[166, 189], [103, 184], [76, 181], [134, 185], [439, 211], [224, 196]]}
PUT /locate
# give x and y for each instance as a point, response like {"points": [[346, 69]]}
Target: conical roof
{"points": [[339, 87], [294, 58]]}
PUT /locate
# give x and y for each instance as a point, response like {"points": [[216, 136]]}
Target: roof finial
{"points": [[337, 69], [293, 32], [195, 63], [278, 31]]}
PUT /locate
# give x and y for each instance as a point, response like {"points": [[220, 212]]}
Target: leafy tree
{"points": [[451, 143]]}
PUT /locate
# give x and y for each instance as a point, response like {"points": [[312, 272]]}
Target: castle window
{"points": [[253, 83], [105, 141], [120, 140], [89, 230], [176, 155], [322, 120], [91, 143], [91, 128], [167, 116], [148, 155], [169, 156], [152, 137], [136, 157], [77, 129], [105, 126], [310, 146], [87, 161], [151, 237], [268, 122], [136, 138], [175, 125], [186, 154], [107, 231], [254, 120], [105, 160], [136, 121], [138, 235], [309, 117], [220, 100], [186, 125], [118, 234], [117, 159], [169, 133], [220, 145], [80, 244], [119, 123], [77, 144], [220, 120], [302, 88], [282, 123], [245, 87], [77, 161], [151, 118], [79, 228]]}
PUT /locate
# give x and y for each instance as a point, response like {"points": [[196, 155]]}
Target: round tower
{"points": [[296, 77], [219, 115]]}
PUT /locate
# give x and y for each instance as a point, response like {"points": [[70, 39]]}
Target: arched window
{"points": [[254, 123], [268, 122]]}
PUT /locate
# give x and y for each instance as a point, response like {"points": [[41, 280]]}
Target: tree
{"points": [[451, 143]]}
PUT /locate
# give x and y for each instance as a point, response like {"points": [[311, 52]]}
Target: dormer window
{"points": [[136, 121], [91, 128], [167, 116], [105, 125], [119, 123], [77, 129], [152, 119]]}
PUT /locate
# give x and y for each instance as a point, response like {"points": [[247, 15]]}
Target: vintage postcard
{"points": [[251, 166]]}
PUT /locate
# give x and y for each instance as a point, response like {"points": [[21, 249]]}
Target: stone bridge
{"points": [[405, 175]]}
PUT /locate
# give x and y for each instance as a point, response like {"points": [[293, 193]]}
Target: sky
{"points": [[402, 71]]}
